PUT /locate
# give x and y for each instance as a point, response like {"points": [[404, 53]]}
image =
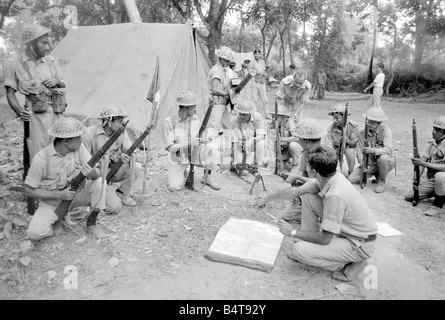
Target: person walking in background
{"points": [[377, 84], [259, 85]]}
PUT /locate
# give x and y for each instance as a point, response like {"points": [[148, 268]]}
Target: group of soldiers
{"points": [[337, 229]]}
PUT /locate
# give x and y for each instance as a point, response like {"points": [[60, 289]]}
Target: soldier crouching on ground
{"points": [[181, 134], [52, 169], [95, 137], [433, 159]]}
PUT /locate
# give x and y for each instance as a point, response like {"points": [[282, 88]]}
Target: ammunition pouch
{"points": [[39, 101], [58, 100]]}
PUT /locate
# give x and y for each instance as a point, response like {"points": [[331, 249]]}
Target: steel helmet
{"points": [[439, 122], [110, 112], [375, 114], [187, 98], [32, 32], [244, 106], [308, 129], [338, 107], [66, 128], [225, 53]]}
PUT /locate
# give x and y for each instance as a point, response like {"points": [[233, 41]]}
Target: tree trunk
{"points": [[271, 43], [289, 39], [213, 41], [374, 26], [5, 12], [241, 29], [132, 11]]}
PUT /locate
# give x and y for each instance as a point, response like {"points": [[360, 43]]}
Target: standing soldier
{"points": [[37, 76], [381, 161], [335, 134], [259, 85], [95, 137], [321, 83], [433, 159], [293, 93], [219, 91]]}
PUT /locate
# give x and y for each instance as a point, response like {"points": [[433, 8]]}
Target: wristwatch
{"points": [[293, 233]]}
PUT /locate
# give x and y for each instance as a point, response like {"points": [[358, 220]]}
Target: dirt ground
{"points": [[156, 250]]}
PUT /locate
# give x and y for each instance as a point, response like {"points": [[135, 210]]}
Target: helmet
{"points": [[225, 53], [244, 106], [32, 32], [338, 107], [187, 98], [66, 128], [282, 111], [439, 122], [375, 114], [109, 112], [300, 75], [308, 129]]}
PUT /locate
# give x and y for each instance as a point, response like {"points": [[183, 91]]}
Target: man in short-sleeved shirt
{"points": [[338, 231], [433, 159], [31, 72], [293, 93], [377, 84]]}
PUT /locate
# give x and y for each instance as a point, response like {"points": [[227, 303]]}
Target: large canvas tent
{"points": [[114, 65]]}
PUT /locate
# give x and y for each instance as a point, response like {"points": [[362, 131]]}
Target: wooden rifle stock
{"points": [[278, 157], [364, 177], [189, 182], [416, 177], [64, 206], [344, 137]]}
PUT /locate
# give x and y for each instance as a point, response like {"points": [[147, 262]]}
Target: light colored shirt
{"points": [[381, 140], [335, 135], [247, 129], [18, 78], [379, 80], [321, 78], [51, 171], [218, 72], [292, 97], [435, 152], [95, 137], [345, 212], [179, 131]]}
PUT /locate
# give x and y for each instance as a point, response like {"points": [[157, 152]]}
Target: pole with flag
{"points": [[154, 96]]}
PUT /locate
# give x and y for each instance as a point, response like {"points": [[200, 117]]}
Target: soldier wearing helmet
{"points": [[36, 75], [293, 93], [290, 149], [335, 133], [381, 161], [433, 159], [181, 131], [51, 170], [248, 124], [218, 78], [110, 120]]}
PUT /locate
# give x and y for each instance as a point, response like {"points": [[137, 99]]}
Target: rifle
{"points": [[189, 182], [76, 182], [30, 204], [111, 176], [416, 177], [278, 157], [315, 90], [344, 137], [365, 157], [253, 169], [234, 90]]}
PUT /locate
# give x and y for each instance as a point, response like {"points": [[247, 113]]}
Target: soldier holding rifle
{"points": [[52, 169], [433, 159], [381, 161], [181, 136], [335, 134], [110, 120]]}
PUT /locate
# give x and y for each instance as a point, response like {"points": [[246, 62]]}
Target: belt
{"points": [[371, 237]]}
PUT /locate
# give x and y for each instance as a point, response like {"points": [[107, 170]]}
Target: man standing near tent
{"points": [[259, 84], [37, 76], [218, 77], [293, 93], [180, 136], [95, 137]]}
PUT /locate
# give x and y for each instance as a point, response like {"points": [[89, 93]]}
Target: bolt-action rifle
{"points": [[416, 177], [76, 182], [364, 177]]}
